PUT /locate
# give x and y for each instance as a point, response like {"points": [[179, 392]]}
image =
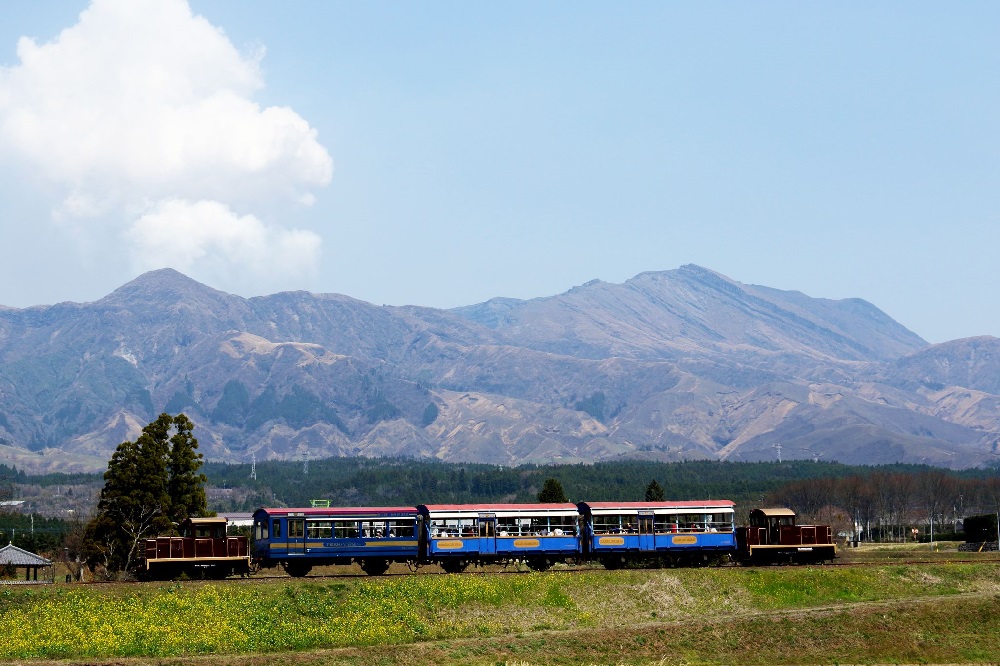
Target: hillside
{"points": [[672, 365]]}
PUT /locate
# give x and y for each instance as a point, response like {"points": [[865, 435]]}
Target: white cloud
{"points": [[209, 240], [141, 102]]}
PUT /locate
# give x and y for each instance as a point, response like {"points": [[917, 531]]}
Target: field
{"points": [[883, 612]]}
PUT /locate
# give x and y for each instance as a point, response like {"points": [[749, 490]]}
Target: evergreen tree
{"points": [[149, 483], [187, 484], [552, 492], [654, 492]]}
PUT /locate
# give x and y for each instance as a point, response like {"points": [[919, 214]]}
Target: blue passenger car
{"points": [[300, 539], [673, 532], [456, 535]]}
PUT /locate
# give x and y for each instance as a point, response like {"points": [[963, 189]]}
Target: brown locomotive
{"points": [[203, 550], [773, 537]]}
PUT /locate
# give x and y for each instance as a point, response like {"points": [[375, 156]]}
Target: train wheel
{"points": [[613, 562], [297, 569], [539, 564], [374, 566], [220, 572], [454, 566]]}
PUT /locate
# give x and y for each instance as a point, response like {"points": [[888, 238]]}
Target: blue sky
{"points": [[445, 153]]}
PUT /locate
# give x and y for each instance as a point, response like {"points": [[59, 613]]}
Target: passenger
{"points": [[557, 532]]}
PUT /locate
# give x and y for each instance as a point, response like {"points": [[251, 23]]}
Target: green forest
{"points": [[386, 482]]}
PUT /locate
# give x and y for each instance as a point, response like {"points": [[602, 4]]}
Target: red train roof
{"points": [[489, 508], [339, 511], [658, 505]]}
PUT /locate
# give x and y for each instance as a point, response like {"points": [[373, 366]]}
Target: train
{"points": [[202, 550], [457, 536]]}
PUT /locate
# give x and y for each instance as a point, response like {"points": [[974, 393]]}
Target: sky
{"points": [[445, 153]]}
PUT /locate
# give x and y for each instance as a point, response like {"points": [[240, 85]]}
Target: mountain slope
{"points": [[670, 365]]}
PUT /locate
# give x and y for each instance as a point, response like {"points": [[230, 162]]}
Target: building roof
{"points": [[11, 554]]}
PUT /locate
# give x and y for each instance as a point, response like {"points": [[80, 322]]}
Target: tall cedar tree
{"points": [[149, 483], [654, 492], [552, 492], [187, 484]]}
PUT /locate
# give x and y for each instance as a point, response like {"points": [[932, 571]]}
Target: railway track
{"points": [[432, 570]]}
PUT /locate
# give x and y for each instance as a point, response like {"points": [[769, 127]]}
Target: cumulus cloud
{"points": [[142, 105], [225, 246]]}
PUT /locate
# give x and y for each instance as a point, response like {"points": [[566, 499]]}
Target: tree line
{"points": [[886, 506]]}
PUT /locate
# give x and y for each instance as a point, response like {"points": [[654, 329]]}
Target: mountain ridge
{"points": [[668, 365]]}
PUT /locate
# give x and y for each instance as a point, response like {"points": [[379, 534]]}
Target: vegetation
{"points": [[654, 492], [802, 615], [37, 534], [150, 485], [552, 493], [386, 482], [887, 504]]}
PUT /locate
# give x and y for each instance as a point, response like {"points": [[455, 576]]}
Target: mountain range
{"points": [[672, 365]]}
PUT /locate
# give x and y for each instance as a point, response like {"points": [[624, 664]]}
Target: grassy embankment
{"points": [[887, 613]]}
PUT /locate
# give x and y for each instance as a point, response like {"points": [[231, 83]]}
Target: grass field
{"points": [[886, 612]]}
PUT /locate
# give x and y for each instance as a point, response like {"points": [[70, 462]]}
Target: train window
{"points": [[319, 529], [262, 530], [562, 525], [373, 529], [608, 524], [345, 529], [510, 526], [296, 529], [400, 528], [276, 528], [454, 527], [719, 522], [691, 522], [664, 523]]}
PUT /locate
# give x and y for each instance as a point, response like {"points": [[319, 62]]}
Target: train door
{"points": [[296, 535], [646, 533], [487, 534]]}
